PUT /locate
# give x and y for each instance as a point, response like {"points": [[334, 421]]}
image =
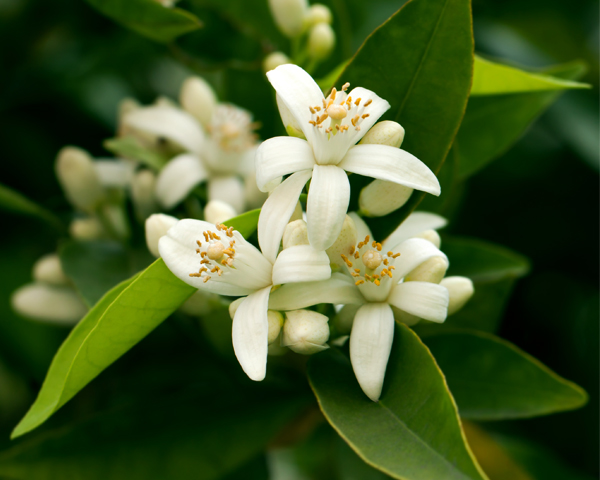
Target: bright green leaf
{"points": [[124, 316], [129, 147], [149, 18], [328, 80], [15, 202], [491, 78], [246, 223], [491, 379], [492, 123], [97, 266], [413, 432], [420, 61]]}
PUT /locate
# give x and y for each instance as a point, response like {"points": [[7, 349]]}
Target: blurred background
{"points": [[66, 67]]}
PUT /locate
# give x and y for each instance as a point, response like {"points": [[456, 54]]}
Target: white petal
{"points": [[279, 156], [413, 252], [339, 289], [171, 123], [416, 223], [276, 212], [375, 110], [362, 229], [391, 164], [327, 205], [289, 121], [251, 270], [301, 263], [422, 299], [460, 290], [114, 173], [229, 190], [52, 303], [370, 345], [250, 334], [298, 91], [177, 179], [218, 212]]}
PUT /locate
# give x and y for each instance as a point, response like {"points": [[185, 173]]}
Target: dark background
{"points": [[65, 67]]}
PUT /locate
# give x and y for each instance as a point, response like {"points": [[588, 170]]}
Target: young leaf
{"points": [[413, 432], [123, 317], [420, 61], [13, 201], [491, 78], [97, 266], [149, 18], [491, 379], [492, 123], [129, 147]]}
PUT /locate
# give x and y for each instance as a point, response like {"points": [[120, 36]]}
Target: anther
{"points": [[345, 86], [199, 243], [206, 279], [357, 103], [366, 115], [312, 110], [333, 92], [367, 103], [359, 282]]}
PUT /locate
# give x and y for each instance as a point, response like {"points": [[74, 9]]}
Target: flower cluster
{"points": [[174, 159]]}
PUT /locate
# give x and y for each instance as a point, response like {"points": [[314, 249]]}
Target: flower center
{"points": [[216, 256], [339, 113], [370, 260], [232, 128]]}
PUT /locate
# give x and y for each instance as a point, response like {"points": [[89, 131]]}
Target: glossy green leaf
{"points": [[491, 379], [124, 316], [149, 18], [129, 147], [492, 123], [413, 432], [97, 266], [491, 78], [493, 269], [194, 436], [420, 61], [14, 202], [246, 223]]}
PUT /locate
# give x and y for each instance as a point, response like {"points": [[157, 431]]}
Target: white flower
{"points": [[332, 126], [377, 272], [218, 259]]}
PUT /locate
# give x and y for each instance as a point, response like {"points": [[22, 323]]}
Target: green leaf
{"points": [[491, 78], [129, 147], [124, 316], [246, 223], [493, 269], [14, 202], [149, 18], [413, 432], [97, 266], [491, 379], [492, 123], [328, 80], [192, 436], [420, 61]]}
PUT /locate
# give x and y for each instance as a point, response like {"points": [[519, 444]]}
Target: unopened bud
{"points": [[254, 197], [321, 41], [217, 212], [157, 225], [381, 197], [431, 236], [57, 304], [275, 322], [344, 244], [48, 269], [126, 106], [289, 15], [273, 60], [167, 3], [89, 228], [305, 331], [384, 133], [295, 233], [317, 13], [431, 271], [198, 98], [78, 178], [460, 290], [229, 190], [114, 173], [143, 186]]}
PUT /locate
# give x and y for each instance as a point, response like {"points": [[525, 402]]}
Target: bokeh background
{"points": [[65, 68]]}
